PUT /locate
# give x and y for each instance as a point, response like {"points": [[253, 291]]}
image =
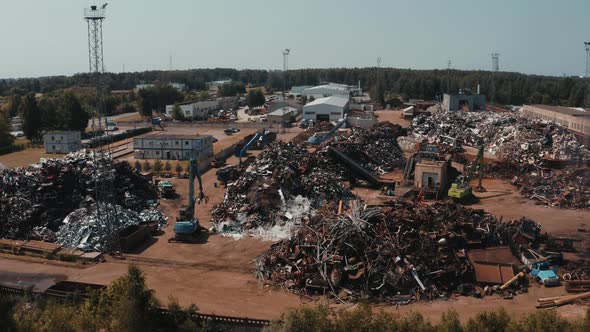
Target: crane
{"points": [[461, 189], [315, 140], [187, 224], [260, 135]]}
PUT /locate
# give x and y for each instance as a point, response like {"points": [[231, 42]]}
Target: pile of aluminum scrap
{"points": [[152, 215], [303, 136], [567, 189], [376, 148], [510, 136], [282, 171], [43, 194], [380, 253], [87, 230]]}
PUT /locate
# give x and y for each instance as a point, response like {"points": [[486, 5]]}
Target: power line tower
{"points": [[103, 168], [286, 53], [449, 77], [495, 69], [587, 45], [379, 60]]}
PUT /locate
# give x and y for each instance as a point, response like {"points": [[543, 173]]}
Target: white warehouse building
{"points": [[62, 141], [172, 147], [326, 109], [332, 89], [195, 109]]}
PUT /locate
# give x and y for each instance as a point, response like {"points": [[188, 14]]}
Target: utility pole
{"points": [[103, 169], [449, 77], [587, 45], [286, 53]]}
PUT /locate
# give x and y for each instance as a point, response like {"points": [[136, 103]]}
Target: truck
{"points": [[543, 273], [166, 189]]}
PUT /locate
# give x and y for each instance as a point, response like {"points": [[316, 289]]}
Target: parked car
{"points": [[543, 273], [228, 131], [215, 140]]}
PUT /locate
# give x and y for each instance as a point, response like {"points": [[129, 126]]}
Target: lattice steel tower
{"points": [[103, 168], [587, 45], [495, 69], [286, 53]]}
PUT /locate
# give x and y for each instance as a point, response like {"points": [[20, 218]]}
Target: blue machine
{"points": [[314, 140], [260, 135], [187, 224]]}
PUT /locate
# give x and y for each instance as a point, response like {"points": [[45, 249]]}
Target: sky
{"points": [[43, 37]]}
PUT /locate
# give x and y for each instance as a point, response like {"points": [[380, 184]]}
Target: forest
{"points": [[506, 88]]}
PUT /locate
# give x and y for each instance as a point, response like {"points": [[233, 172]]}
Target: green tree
{"points": [[177, 113], [157, 166], [167, 166], [147, 166], [255, 98], [75, 116], [203, 95], [488, 321], [178, 168], [137, 166], [31, 114], [6, 139]]}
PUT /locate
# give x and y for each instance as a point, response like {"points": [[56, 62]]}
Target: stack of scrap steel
{"points": [[282, 172], [303, 136], [568, 189], [375, 149], [381, 253], [43, 194]]}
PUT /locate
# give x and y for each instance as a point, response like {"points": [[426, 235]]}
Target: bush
{"points": [[158, 166], [137, 166], [147, 166]]}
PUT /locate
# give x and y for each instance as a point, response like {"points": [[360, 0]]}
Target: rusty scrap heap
{"points": [[567, 189], [375, 149], [381, 253], [283, 171], [43, 194]]}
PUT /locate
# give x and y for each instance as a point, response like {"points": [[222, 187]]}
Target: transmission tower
{"points": [[286, 53], [103, 168], [449, 77], [379, 62], [587, 45], [495, 62], [495, 69]]}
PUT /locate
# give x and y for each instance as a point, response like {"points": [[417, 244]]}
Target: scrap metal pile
{"points": [[282, 172], [567, 189], [376, 148], [42, 195], [303, 136], [404, 249], [509, 136]]}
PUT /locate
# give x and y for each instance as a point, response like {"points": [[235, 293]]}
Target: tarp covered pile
{"points": [[43, 194]]}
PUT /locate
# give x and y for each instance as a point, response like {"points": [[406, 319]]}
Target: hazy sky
{"points": [[49, 37]]}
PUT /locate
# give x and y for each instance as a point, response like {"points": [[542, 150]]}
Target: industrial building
{"points": [[178, 86], [159, 145], [217, 84], [575, 119], [464, 101], [17, 123], [282, 116], [431, 175], [297, 90], [326, 109], [62, 141], [332, 89], [202, 109]]}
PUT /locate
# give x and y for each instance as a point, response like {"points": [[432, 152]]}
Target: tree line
{"points": [[506, 87], [128, 304]]}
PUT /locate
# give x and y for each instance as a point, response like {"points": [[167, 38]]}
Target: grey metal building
{"points": [[161, 145], [465, 101], [62, 141]]}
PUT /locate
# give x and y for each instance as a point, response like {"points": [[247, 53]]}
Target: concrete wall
{"points": [[452, 103], [580, 124]]}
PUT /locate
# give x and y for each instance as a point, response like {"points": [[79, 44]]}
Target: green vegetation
{"points": [[178, 168], [177, 113], [255, 98], [232, 89], [6, 139], [362, 318], [156, 98], [137, 166], [158, 166]]}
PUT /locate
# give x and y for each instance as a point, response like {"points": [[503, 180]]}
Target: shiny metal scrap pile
{"points": [[283, 171], [407, 249], [87, 230], [375, 149], [43, 194], [569, 188], [510, 136]]}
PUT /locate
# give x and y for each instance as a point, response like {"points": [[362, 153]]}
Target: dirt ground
{"points": [[25, 157], [393, 116], [216, 273]]}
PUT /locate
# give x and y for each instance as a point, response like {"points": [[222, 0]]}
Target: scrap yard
{"points": [[345, 220]]}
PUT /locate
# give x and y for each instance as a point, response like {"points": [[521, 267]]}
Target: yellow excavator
{"points": [[461, 190]]}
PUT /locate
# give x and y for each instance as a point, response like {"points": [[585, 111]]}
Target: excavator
{"points": [[461, 190], [260, 135], [187, 224], [317, 140]]}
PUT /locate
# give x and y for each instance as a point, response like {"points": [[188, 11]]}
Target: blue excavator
{"points": [[260, 135], [187, 225], [317, 140]]}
